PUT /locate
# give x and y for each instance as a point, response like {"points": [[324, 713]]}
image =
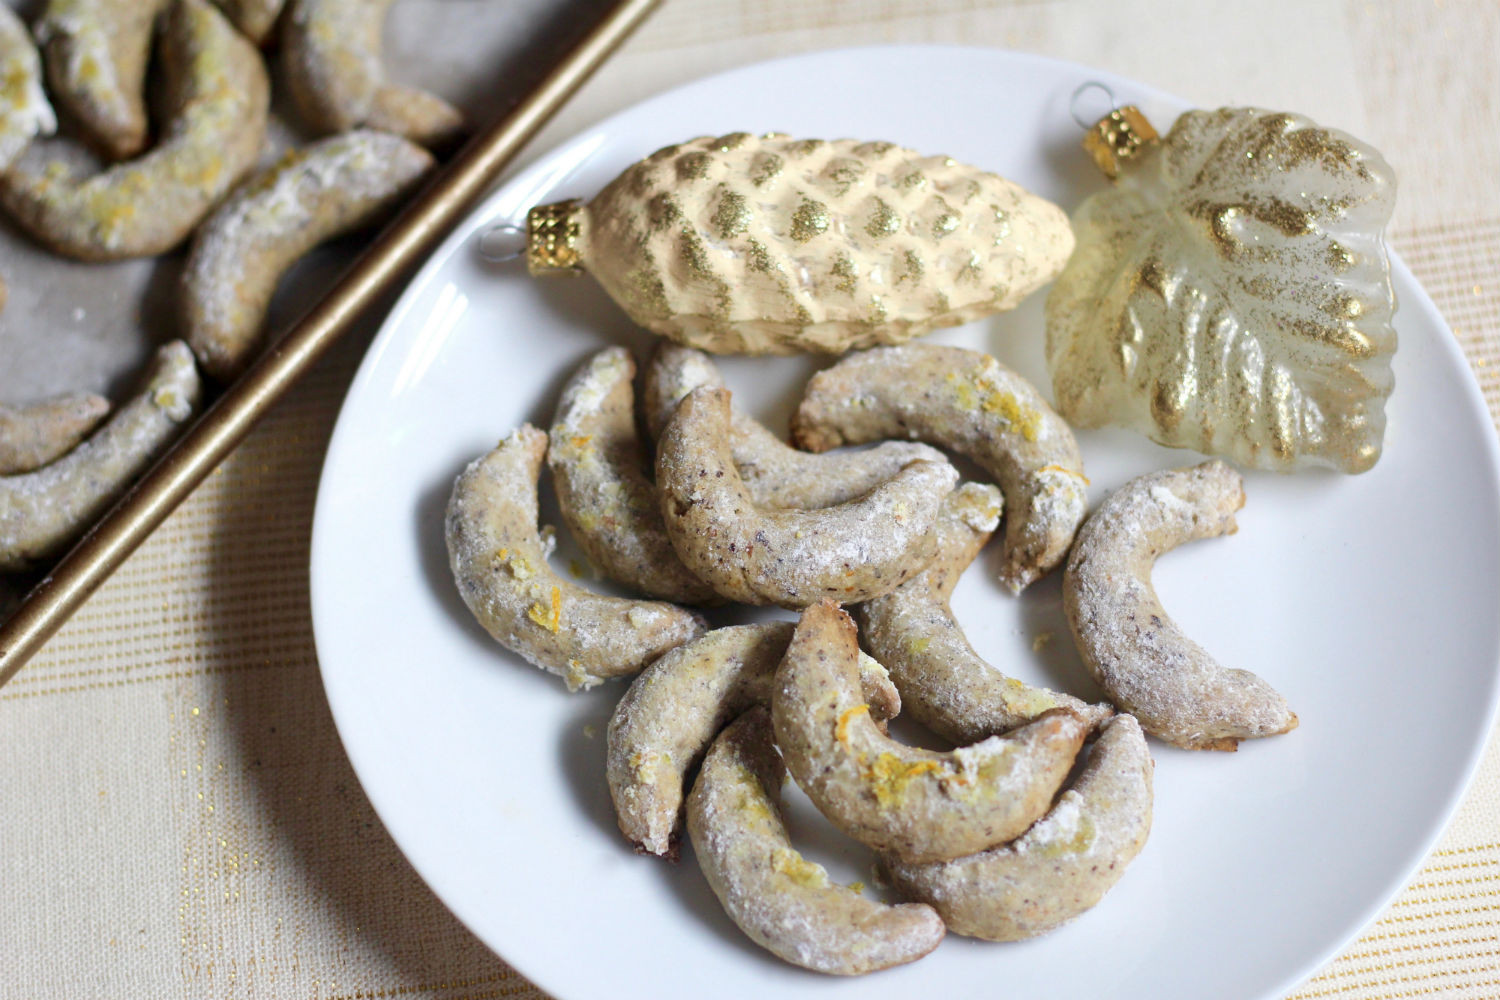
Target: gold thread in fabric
{"points": [[457, 984], [1399, 995], [122, 682], [1431, 900], [1457, 866], [1402, 963], [1406, 933], [1461, 911], [1446, 942], [1444, 883], [1444, 852]]}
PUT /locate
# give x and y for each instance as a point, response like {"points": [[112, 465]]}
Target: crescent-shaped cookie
{"points": [[785, 903], [499, 562], [24, 111], [1060, 867], [336, 76], [776, 474], [672, 711], [971, 404], [96, 53], [218, 94], [32, 436], [1135, 651], [240, 252], [41, 512], [852, 551], [912, 632], [604, 492], [919, 805]]}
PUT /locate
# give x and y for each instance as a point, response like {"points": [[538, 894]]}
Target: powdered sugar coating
{"points": [[917, 804], [1134, 650], [96, 53], [1060, 867], [948, 687], [334, 72], [673, 710], [218, 94], [603, 490], [776, 474], [969, 403], [32, 436], [852, 551], [24, 111], [241, 251], [499, 561], [41, 512], [785, 903]]}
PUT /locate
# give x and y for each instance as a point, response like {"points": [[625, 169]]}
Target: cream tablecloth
{"points": [[177, 817]]}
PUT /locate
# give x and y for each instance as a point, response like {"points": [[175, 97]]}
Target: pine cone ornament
{"points": [[1231, 292], [769, 245]]}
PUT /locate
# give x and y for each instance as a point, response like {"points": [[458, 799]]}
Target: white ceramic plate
{"points": [[1369, 601]]}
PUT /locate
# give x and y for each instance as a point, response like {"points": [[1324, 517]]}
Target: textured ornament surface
{"points": [[1231, 294], [757, 245]]}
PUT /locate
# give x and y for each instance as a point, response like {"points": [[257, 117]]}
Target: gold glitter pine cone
{"points": [[1231, 293], [767, 245]]}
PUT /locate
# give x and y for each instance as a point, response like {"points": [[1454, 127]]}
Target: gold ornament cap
{"points": [[1117, 137], [554, 235]]}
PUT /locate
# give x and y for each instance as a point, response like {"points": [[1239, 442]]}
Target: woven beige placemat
{"points": [[179, 818]]}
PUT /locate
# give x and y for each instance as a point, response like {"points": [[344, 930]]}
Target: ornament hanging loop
{"points": [[501, 243], [1075, 104]]}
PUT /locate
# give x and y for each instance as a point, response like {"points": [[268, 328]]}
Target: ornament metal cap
{"points": [[553, 237], [1118, 137]]}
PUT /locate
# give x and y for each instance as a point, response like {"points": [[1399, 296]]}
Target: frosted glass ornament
{"points": [[1231, 293]]}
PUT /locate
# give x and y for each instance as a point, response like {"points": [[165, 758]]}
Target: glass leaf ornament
{"points": [[747, 244], [1231, 293]]}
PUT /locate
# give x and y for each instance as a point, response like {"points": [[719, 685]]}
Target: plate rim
{"points": [[536, 165]]}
